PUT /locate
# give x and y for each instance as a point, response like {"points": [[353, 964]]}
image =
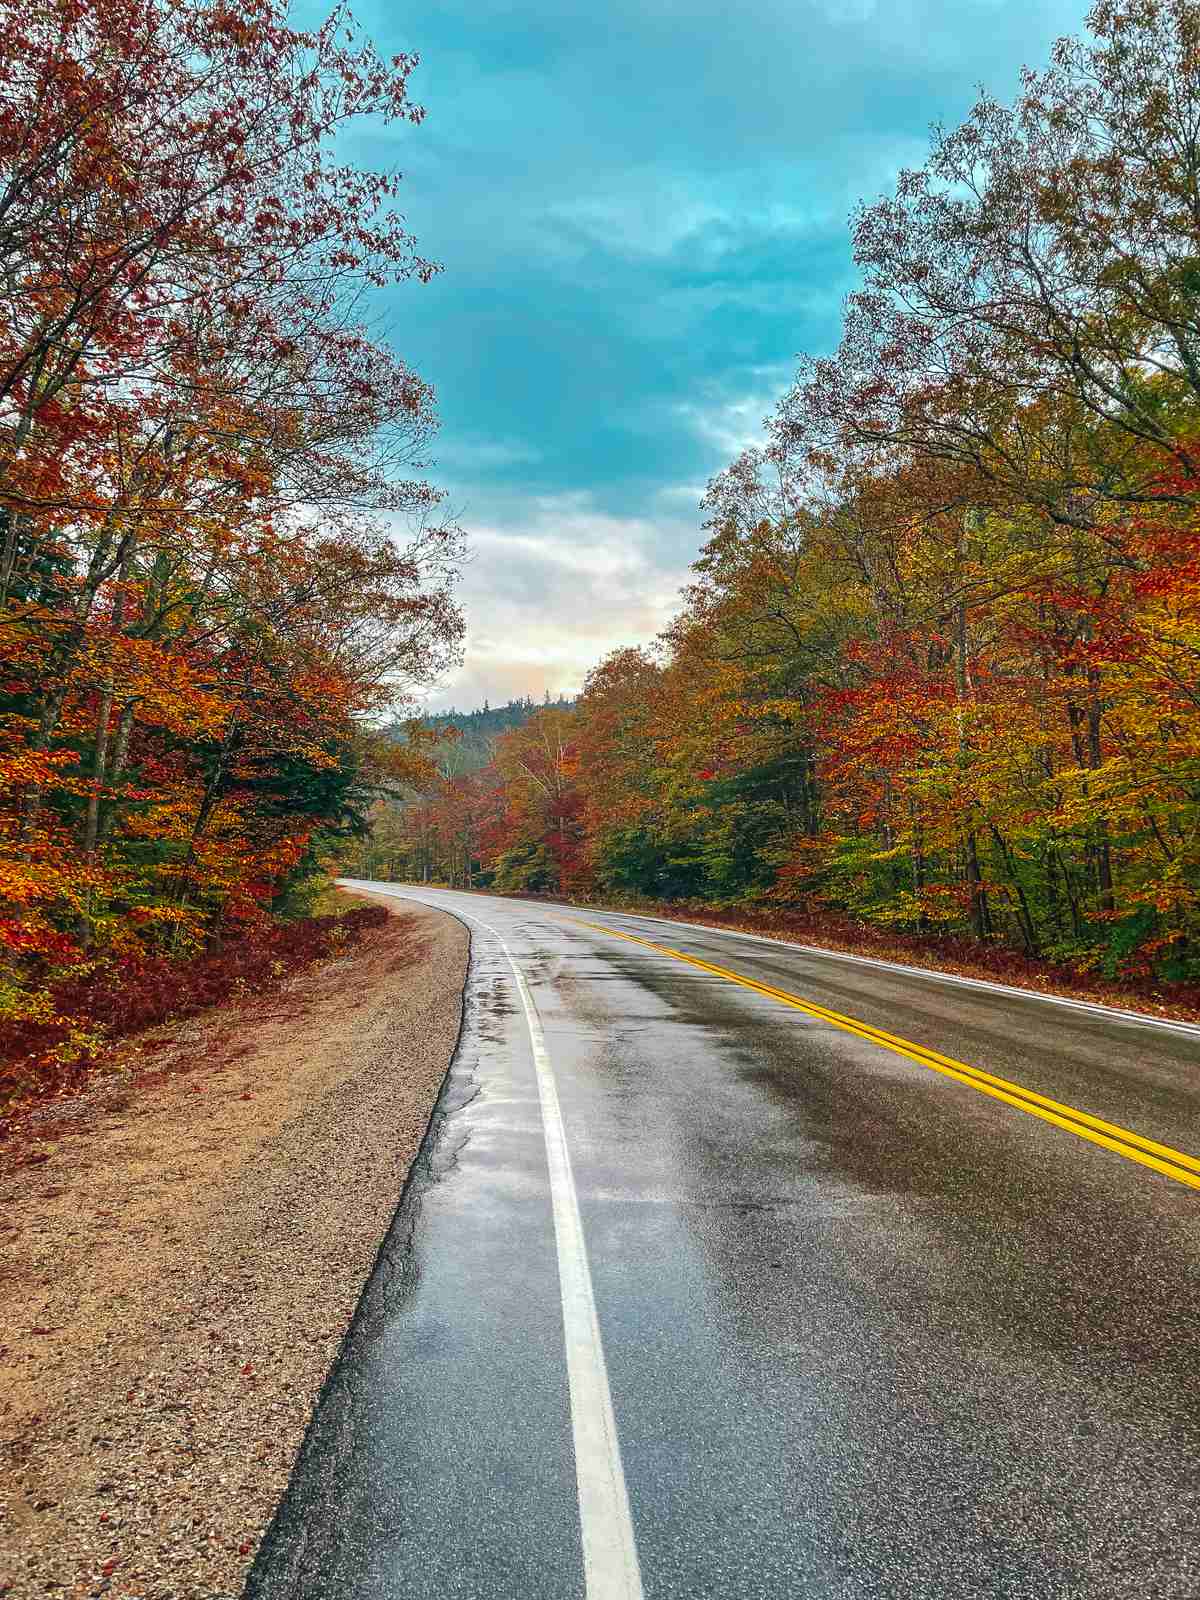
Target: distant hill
{"points": [[479, 728]]}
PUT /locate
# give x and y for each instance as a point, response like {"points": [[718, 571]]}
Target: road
{"points": [[704, 1288]]}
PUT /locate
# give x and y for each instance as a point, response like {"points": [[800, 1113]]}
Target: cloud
{"points": [[650, 215], [641, 209], [468, 456], [548, 596], [734, 422]]}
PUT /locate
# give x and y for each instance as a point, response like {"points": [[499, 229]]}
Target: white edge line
{"points": [[610, 1561], [1188, 1029]]}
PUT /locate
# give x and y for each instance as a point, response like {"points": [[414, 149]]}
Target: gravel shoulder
{"points": [[178, 1266]]}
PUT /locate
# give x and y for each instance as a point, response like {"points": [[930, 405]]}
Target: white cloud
{"points": [[734, 422], [651, 215], [681, 494], [549, 595], [466, 455]]}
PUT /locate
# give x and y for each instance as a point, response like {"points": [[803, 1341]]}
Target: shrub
{"points": [[47, 1050]]}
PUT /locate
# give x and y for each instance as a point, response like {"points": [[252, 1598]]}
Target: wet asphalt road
{"points": [[867, 1331]]}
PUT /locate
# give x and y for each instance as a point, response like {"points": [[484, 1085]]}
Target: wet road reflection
{"points": [[868, 1333]]}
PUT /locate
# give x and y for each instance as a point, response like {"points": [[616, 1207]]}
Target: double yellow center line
{"points": [[1160, 1157]]}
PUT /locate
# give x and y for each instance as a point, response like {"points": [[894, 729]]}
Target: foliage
{"points": [[938, 669], [466, 740], [217, 556], [82, 1014]]}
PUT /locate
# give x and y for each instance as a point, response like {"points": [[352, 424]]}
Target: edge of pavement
{"points": [[931, 974], [180, 1273]]}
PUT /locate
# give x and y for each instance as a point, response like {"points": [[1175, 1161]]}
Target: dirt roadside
{"points": [[177, 1274]]}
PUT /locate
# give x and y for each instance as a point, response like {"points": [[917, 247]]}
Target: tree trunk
{"points": [[981, 919]]}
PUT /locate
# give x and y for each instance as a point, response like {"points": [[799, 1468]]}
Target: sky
{"points": [[641, 209]]}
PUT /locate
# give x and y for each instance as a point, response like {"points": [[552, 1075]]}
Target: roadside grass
{"points": [[333, 901]]}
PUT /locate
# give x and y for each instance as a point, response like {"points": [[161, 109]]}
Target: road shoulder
{"points": [[179, 1273]]}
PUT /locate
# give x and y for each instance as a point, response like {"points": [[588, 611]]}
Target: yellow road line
{"points": [[1133, 1146]]}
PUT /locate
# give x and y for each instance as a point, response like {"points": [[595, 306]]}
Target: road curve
{"points": [[735, 1269]]}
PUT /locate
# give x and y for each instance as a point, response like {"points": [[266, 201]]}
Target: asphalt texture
{"points": [[870, 1334]]}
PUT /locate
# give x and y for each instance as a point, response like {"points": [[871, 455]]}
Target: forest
{"points": [[457, 742], [937, 666], [220, 562]]}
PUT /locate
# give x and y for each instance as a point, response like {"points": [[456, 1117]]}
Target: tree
{"points": [[218, 555]]}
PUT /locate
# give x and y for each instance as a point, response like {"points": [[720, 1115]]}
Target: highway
{"points": [[735, 1269]]}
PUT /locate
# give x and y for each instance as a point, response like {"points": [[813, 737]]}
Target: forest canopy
{"points": [[219, 558], [938, 664]]}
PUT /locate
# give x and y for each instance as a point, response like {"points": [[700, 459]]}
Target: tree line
{"points": [[938, 664], [219, 557], [458, 742]]}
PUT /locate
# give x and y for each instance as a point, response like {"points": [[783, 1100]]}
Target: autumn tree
{"points": [[936, 666], [218, 553]]}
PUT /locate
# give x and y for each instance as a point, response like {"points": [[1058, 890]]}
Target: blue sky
{"points": [[641, 209]]}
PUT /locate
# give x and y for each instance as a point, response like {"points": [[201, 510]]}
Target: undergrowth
{"points": [[53, 1052]]}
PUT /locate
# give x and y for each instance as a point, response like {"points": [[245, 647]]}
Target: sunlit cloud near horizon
{"points": [[641, 210]]}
